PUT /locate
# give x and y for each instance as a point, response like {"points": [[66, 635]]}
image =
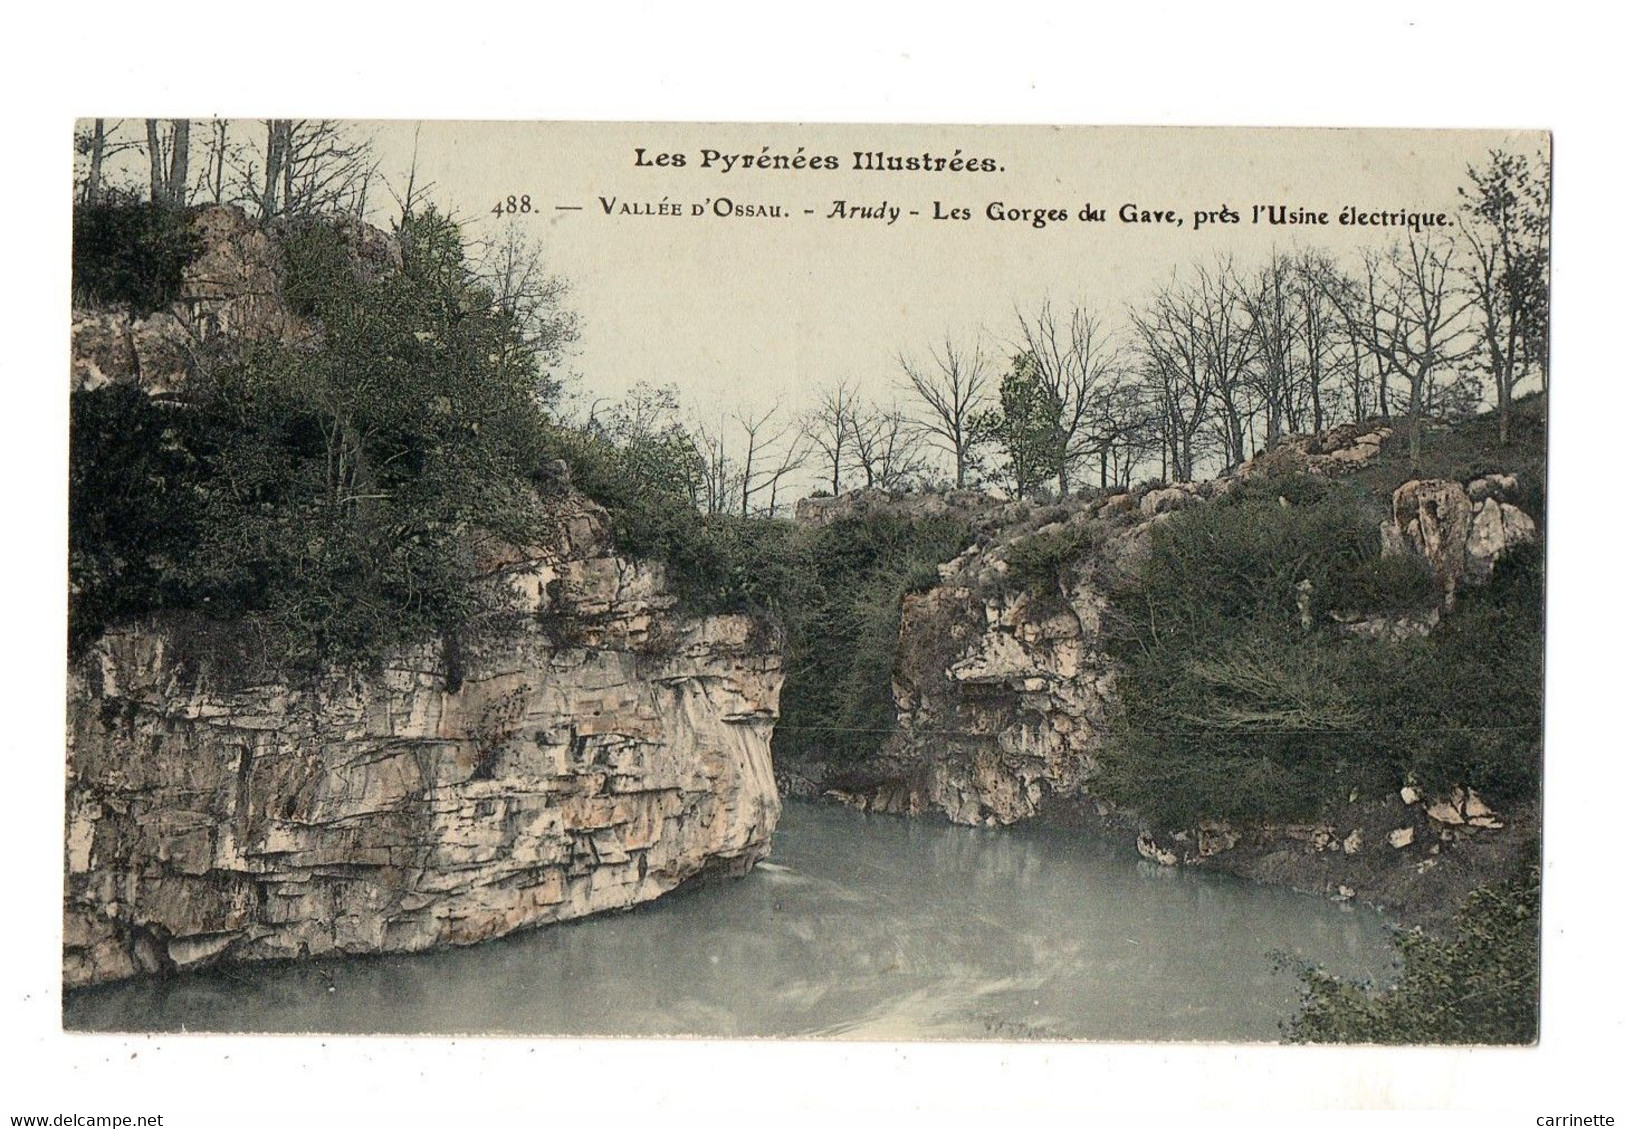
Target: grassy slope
{"points": [[1464, 450]]}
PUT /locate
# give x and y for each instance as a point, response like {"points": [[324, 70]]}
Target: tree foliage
{"points": [[1508, 229], [1027, 426], [1479, 984], [333, 494], [842, 629]]}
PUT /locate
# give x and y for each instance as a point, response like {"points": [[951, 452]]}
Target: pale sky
{"points": [[758, 310]]}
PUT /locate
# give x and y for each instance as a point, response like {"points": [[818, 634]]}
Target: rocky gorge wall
{"points": [[602, 753], [1002, 688], [600, 750]]}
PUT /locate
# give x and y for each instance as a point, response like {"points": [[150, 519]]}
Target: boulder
{"points": [[1501, 487], [1461, 539], [1496, 528], [1434, 518]]}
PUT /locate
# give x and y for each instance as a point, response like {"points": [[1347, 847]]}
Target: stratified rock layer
{"points": [[594, 758]]}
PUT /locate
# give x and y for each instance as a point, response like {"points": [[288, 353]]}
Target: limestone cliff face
{"points": [[596, 756], [1002, 687]]}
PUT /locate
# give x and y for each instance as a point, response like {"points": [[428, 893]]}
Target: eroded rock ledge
{"points": [[607, 750]]}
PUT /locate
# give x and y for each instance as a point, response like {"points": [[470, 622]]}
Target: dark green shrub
{"points": [[334, 498], [1298, 489], [842, 630], [1380, 586], [1231, 708], [1467, 702], [127, 252], [318, 272], [1481, 985], [921, 576], [1216, 567], [1265, 726], [1038, 561], [134, 513], [715, 563]]}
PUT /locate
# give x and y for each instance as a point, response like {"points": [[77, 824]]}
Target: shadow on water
{"points": [[859, 926]]}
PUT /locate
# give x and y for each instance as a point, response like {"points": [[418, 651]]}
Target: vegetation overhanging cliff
{"points": [[1323, 671], [355, 666]]}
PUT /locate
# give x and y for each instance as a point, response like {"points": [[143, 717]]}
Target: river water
{"points": [[870, 927]]}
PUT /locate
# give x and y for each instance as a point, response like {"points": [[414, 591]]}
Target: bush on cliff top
{"points": [[1037, 561], [333, 498], [714, 562], [127, 252]]}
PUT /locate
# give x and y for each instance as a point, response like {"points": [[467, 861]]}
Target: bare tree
{"points": [[1275, 325], [773, 449], [276, 157], [829, 426], [95, 150], [180, 149], [954, 392], [414, 195], [1366, 303], [222, 152], [311, 166], [1508, 224], [1323, 348], [1228, 347], [786, 461], [100, 144], [1127, 429], [718, 480], [1411, 316], [886, 446], [1174, 357], [168, 158]]}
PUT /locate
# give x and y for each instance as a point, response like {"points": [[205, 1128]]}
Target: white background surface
{"points": [[1489, 65]]}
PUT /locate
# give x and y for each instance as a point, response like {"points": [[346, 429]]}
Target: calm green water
{"points": [[860, 927]]}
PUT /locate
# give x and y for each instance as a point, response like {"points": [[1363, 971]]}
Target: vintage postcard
{"points": [[806, 581]]}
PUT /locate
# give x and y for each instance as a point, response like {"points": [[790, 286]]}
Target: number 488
{"points": [[512, 206]]}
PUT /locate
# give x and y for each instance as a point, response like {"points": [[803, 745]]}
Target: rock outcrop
{"points": [[232, 288], [1460, 530], [1004, 690], [970, 505], [596, 756], [1339, 451]]}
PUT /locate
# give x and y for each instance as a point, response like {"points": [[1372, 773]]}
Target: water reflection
{"points": [[861, 926]]}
